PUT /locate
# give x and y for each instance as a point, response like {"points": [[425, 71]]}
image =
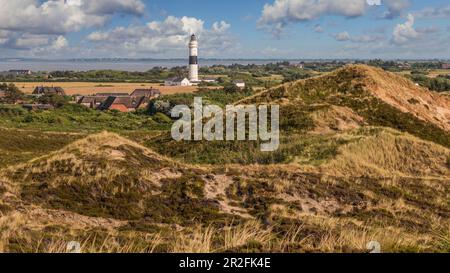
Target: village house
{"points": [[446, 66], [20, 72], [239, 83], [119, 101], [177, 82], [92, 101], [2, 94], [148, 93], [124, 104], [299, 65], [45, 90], [209, 80], [111, 94]]}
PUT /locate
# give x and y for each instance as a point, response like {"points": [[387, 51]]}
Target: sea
{"points": [[138, 65]]}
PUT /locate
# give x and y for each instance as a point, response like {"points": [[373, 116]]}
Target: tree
{"points": [[56, 101], [160, 106], [231, 88], [12, 93]]}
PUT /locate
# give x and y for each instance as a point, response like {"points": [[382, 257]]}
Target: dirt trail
{"points": [[215, 189]]}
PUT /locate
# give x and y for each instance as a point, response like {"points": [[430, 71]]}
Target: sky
{"points": [[248, 29]]}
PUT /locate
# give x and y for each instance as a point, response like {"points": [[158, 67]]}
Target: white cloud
{"points": [[136, 7], [33, 44], [220, 27], [31, 41], [395, 8], [404, 33], [342, 36], [282, 12], [167, 37], [428, 30], [59, 43], [305, 10], [434, 12], [40, 26], [435, 45], [365, 38], [61, 16], [276, 16], [318, 29]]}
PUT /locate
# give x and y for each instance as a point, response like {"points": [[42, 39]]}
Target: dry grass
{"points": [[89, 88], [336, 118], [108, 245], [332, 235], [389, 154], [198, 241], [278, 202], [397, 91], [248, 232], [8, 228]]}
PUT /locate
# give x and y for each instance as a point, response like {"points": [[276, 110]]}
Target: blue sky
{"points": [[227, 29]]}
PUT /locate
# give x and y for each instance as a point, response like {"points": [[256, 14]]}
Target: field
{"points": [[434, 73], [438, 72], [88, 88]]}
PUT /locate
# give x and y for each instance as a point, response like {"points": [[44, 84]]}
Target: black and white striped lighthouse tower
{"points": [[193, 59]]}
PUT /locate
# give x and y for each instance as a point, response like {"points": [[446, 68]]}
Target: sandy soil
{"points": [[398, 91], [88, 88]]}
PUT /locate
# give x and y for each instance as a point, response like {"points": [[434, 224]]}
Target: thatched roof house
{"points": [[45, 90], [148, 93], [124, 104]]}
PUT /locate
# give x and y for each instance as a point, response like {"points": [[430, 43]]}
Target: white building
{"points": [[209, 80], [177, 82], [193, 59], [239, 83]]}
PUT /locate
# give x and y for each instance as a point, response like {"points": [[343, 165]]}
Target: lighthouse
{"points": [[193, 59]]}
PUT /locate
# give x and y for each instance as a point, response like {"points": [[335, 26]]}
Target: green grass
{"points": [[76, 118], [17, 146], [309, 149], [215, 97]]}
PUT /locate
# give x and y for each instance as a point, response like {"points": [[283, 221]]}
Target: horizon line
{"points": [[223, 59]]}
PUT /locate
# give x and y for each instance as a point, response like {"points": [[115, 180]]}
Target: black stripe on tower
{"points": [[193, 60]]}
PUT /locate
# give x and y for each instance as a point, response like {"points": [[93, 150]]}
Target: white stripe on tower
{"points": [[193, 59]]}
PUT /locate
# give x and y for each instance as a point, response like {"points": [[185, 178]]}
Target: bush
{"points": [[12, 93], [56, 101], [161, 118]]}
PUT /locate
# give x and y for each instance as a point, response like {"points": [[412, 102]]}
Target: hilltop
{"points": [[382, 98]]}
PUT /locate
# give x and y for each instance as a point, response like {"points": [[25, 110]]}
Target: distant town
{"points": [[126, 91], [432, 74]]}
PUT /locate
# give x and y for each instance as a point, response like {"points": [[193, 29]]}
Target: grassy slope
{"points": [[301, 102], [116, 195], [350, 87], [20, 146]]}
